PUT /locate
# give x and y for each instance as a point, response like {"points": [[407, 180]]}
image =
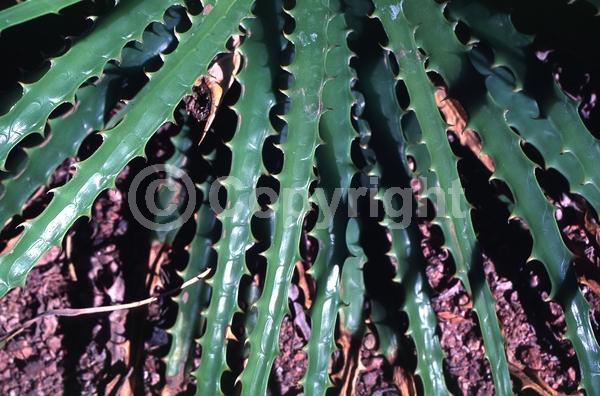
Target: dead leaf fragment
{"points": [[530, 379], [215, 85], [303, 284], [456, 118]]}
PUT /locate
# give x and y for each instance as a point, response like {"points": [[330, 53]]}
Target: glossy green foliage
{"points": [[192, 300], [352, 283], [547, 118], [152, 107], [490, 118], [548, 246], [336, 169], [437, 168], [200, 256], [343, 125], [31, 9], [256, 78], [93, 102], [84, 60], [386, 119], [172, 193], [306, 108]]}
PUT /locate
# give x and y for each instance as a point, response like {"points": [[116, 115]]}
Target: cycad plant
{"points": [[341, 134]]}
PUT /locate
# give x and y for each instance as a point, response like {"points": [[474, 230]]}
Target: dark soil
{"points": [[106, 260], [290, 365], [99, 355], [543, 369], [102, 354], [31, 363], [465, 362]]}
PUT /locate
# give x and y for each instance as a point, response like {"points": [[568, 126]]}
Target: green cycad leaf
{"points": [[422, 321], [514, 168], [547, 118], [509, 45], [152, 107], [93, 103], [442, 172], [171, 196], [306, 108], [352, 283], [257, 99], [201, 255], [43, 160], [531, 205], [384, 112], [84, 60], [192, 300], [335, 170], [31, 9]]}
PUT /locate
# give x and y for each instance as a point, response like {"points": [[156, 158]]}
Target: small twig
{"points": [[101, 309]]}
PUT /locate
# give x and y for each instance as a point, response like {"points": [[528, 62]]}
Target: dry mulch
{"points": [[31, 362]]}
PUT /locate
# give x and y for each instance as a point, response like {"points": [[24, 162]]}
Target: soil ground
{"points": [[105, 261]]}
